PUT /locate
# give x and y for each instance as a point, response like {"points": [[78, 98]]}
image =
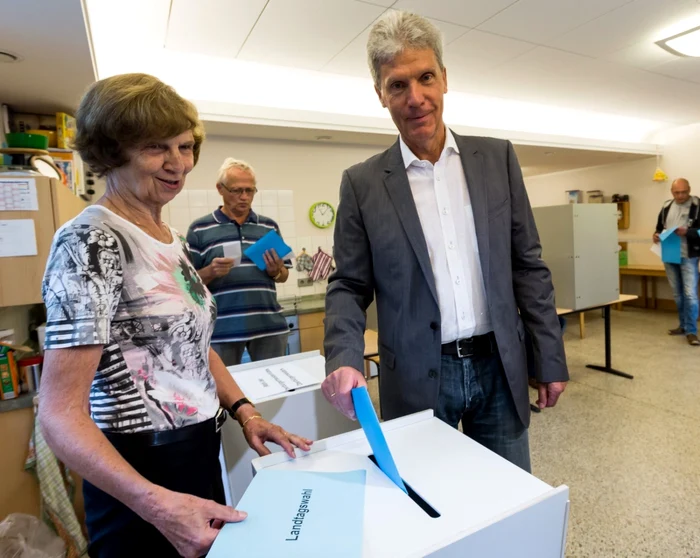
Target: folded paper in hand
{"points": [[298, 514], [233, 250], [670, 246], [271, 241]]}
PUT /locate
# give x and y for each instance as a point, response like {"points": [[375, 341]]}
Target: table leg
{"points": [[653, 293], [608, 351], [644, 291], [582, 324]]}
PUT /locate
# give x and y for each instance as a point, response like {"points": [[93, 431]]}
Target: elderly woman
{"points": [[132, 394]]}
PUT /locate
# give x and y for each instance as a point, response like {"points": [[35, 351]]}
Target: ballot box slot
{"points": [[413, 495]]}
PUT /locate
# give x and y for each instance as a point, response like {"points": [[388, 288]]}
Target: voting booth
{"points": [[303, 411], [465, 500]]}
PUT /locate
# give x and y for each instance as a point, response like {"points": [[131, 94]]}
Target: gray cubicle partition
{"points": [[579, 244]]}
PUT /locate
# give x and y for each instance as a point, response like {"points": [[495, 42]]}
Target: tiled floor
{"points": [[629, 450]]}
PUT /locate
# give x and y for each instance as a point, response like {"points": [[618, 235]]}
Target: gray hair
{"points": [[397, 31], [231, 163]]}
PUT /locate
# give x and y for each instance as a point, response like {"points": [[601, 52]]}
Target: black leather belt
{"points": [[477, 346], [163, 437]]}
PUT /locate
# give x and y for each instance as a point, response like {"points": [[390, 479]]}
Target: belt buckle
{"points": [[469, 349], [220, 417]]}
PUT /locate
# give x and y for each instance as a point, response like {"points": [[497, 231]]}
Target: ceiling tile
{"points": [[643, 55], [383, 3], [477, 52], [352, 60], [680, 68], [306, 33], [468, 13], [630, 24], [205, 27], [541, 20]]}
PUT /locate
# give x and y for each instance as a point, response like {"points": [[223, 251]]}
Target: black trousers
{"points": [[191, 467]]}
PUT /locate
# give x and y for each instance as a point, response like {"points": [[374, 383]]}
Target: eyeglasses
{"points": [[239, 191]]}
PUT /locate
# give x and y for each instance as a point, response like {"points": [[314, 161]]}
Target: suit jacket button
{"points": [[434, 325], [432, 374]]}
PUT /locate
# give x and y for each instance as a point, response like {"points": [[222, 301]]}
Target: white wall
{"points": [[292, 176]]}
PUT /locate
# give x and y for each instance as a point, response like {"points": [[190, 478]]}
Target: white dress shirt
{"points": [[445, 211]]}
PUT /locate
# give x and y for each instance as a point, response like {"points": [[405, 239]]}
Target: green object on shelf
{"points": [[31, 141], [623, 257]]}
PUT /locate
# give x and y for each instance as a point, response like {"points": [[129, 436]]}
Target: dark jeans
{"points": [[259, 349], [683, 279], [475, 391], [191, 467]]}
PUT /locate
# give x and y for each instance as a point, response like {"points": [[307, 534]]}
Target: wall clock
{"points": [[322, 214]]}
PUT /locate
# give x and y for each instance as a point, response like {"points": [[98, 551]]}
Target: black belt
{"points": [[163, 437], [477, 346]]}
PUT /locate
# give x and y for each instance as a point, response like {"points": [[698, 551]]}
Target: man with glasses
{"points": [[249, 316]]}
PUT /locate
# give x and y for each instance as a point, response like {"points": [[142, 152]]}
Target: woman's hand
{"points": [[257, 431], [190, 524]]}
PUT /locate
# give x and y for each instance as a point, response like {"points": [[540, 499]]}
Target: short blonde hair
{"points": [[124, 111], [231, 163], [396, 32]]}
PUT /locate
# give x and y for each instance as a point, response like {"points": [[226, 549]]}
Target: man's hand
{"points": [[219, 267], [682, 231], [656, 238], [273, 264], [190, 524], [338, 386], [549, 393]]}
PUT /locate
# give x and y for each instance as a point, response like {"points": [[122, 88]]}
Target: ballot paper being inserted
{"points": [[297, 514], [271, 241], [367, 417], [233, 250], [266, 381]]}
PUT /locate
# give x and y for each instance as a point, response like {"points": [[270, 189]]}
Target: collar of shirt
{"points": [[410, 158], [221, 217]]}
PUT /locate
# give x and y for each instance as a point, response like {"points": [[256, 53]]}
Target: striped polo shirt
{"points": [[246, 297]]}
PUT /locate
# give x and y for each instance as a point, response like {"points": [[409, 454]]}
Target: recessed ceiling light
{"points": [[324, 138], [686, 43], [7, 57], [549, 153]]}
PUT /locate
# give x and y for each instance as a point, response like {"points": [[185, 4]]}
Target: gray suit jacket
{"points": [[380, 250]]}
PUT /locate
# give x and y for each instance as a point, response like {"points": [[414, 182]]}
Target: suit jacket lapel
{"points": [[396, 182], [473, 166]]}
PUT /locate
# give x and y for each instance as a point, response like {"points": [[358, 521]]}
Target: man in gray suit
{"points": [[439, 228]]}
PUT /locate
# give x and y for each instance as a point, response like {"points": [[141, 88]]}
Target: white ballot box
{"points": [[303, 411], [488, 508]]}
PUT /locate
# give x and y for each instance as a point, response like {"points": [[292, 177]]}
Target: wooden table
{"points": [[645, 272], [608, 342]]}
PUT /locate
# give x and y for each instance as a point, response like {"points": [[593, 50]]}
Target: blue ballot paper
{"points": [[670, 246], [300, 514], [270, 241], [370, 424]]}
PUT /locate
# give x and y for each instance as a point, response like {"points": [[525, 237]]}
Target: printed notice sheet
{"points": [[18, 194], [297, 514], [274, 379], [17, 238]]}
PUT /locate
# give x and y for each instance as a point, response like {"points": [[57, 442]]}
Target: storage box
{"points": [[488, 507], [579, 244], [304, 411], [65, 130]]}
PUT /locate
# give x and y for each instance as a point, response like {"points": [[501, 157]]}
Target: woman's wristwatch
{"points": [[238, 404]]}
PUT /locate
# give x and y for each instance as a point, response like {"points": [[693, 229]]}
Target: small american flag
{"points": [[322, 266]]}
